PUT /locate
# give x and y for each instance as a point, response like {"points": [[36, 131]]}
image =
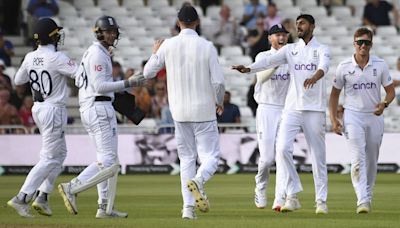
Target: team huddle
{"points": [[290, 91]]}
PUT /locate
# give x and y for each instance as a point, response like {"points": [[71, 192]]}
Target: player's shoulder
{"points": [[376, 59], [263, 54], [346, 62]]}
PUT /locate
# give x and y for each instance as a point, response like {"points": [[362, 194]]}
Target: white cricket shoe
{"points": [[69, 199], [189, 213], [42, 207], [101, 214], [22, 208], [321, 207], [278, 204], [363, 208], [260, 200], [290, 205], [197, 190]]}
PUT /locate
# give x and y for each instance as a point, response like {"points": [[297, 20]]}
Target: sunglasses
{"points": [[361, 42]]}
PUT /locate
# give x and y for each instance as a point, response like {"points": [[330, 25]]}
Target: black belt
{"points": [[102, 98]]}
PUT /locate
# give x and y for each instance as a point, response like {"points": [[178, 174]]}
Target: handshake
{"points": [[136, 80]]}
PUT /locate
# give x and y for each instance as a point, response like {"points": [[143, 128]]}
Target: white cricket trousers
{"points": [[196, 140], [51, 121], [101, 124], [363, 132], [313, 125], [267, 122]]}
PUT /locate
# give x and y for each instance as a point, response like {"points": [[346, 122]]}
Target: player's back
{"points": [[46, 69], [190, 93]]}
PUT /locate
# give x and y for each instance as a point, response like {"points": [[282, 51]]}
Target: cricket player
{"points": [[304, 109], [47, 70], [96, 93], [270, 94], [195, 93], [362, 76]]}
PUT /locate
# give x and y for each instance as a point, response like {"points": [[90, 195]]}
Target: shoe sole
{"points": [[10, 204], [201, 203], [363, 211], [277, 208], [319, 212], [66, 201], [40, 210]]}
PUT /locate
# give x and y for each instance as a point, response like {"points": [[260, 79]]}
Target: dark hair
{"points": [[306, 17], [363, 31]]}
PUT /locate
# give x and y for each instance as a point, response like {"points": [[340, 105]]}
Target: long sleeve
{"points": [[271, 61], [324, 59], [155, 63], [217, 78], [22, 76]]}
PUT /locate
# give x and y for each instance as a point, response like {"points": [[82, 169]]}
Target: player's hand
{"points": [[337, 127], [379, 109], [157, 45], [241, 68], [137, 80], [309, 82], [220, 109]]}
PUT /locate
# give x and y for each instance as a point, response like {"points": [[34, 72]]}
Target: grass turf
{"points": [[155, 201]]}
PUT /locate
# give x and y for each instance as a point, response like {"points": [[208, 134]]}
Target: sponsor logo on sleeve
{"points": [[98, 68]]}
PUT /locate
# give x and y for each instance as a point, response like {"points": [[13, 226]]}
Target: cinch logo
{"points": [[280, 76], [368, 85], [310, 66]]}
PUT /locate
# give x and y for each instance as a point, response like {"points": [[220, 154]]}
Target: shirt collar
{"points": [[50, 47], [188, 32], [312, 42], [353, 60], [97, 43]]}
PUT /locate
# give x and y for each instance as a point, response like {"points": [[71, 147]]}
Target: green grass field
{"points": [[155, 201]]}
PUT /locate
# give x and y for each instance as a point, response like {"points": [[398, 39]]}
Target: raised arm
{"points": [[156, 61]]}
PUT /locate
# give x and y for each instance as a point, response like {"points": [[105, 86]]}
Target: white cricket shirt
{"points": [[194, 77], [303, 61], [362, 87], [46, 70], [94, 77], [274, 90]]}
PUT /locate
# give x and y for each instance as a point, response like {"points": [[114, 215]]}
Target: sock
{"points": [[43, 196], [22, 197]]}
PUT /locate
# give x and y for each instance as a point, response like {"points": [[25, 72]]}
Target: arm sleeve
{"points": [[217, 78], [66, 66], [338, 80], [271, 61], [324, 59], [100, 78], [386, 78], [22, 75], [155, 63]]}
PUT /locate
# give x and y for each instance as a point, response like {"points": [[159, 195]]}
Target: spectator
{"points": [[376, 13], [159, 100], [228, 32], [231, 112], [4, 79], [38, 9], [6, 49], [252, 11], [18, 95], [8, 113], [251, 102], [25, 112], [142, 99], [117, 72], [289, 25], [258, 39], [272, 18]]}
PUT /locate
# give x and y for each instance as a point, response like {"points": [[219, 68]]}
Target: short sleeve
{"points": [[338, 80]]}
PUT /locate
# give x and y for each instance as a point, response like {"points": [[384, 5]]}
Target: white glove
{"points": [[136, 80]]}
